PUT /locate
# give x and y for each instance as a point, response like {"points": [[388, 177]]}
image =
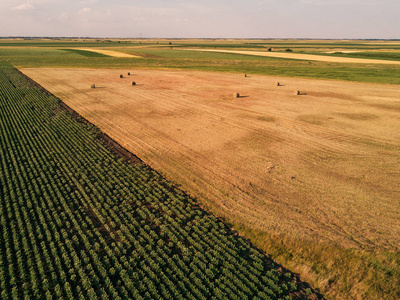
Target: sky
{"points": [[325, 19]]}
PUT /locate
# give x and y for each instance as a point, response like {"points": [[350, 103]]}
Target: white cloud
{"points": [[85, 10], [26, 6], [30, 5]]}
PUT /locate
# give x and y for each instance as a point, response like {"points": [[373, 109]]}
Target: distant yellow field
{"points": [[108, 52], [300, 56]]}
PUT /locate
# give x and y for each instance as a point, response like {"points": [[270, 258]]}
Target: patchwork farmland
{"points": [[78, 222], [306, 169]]}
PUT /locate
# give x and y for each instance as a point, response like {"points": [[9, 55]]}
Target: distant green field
{"points": [[203, 43], [68, 43], [153, 56], [370, 55]]}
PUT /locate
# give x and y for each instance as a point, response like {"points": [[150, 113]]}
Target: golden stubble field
{"points": [[321, 166], [309, 57]]}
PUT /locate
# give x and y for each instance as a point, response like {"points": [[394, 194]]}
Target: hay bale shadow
{"points": [[299, 93]]}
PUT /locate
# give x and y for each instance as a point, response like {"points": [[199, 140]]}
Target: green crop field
{"points": [[79, 223], [160, 55]]}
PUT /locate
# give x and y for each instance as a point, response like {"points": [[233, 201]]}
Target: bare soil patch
{"points": [[323, 165]]}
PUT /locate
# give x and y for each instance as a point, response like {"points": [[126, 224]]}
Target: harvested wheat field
{"points": [[322, 165], [309, 57], [109, 52]]}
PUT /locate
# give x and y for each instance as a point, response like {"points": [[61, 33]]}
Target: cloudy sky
{"points": [[202, 18]]}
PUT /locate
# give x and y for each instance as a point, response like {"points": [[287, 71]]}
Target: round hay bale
{"points": [[277, 84], [93, 86], [236, 95], [297, 92], [245, 75], [133, 83], [121, 76], [129, 73]]}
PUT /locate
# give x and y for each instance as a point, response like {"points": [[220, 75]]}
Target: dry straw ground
{"points": [[109, 52], [322, 166], [310, 57]]}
